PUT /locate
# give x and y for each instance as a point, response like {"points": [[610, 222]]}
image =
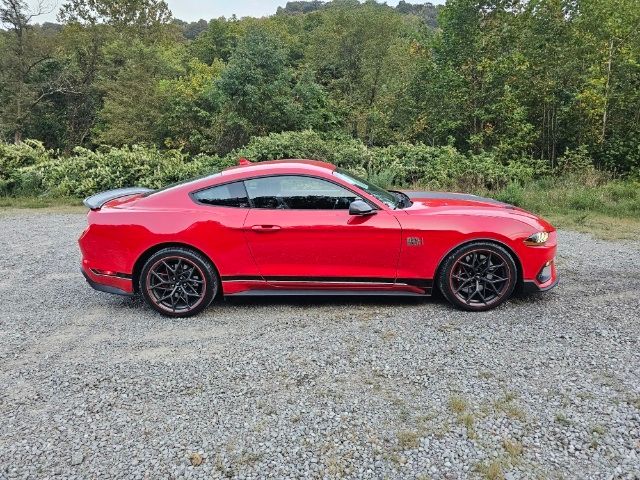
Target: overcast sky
{"points": [[196, 9]]}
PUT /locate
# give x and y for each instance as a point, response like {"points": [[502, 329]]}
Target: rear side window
{"points": [[229, 195]]}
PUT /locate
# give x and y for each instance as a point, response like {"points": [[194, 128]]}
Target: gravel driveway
{"points": [[98, 386]]}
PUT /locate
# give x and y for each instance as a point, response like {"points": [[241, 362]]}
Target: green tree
{"points": [[217, 41], [27, 76], [261, 94], [359, 53], [610, 36], [190, 107], [139, 14], [132, 101]]}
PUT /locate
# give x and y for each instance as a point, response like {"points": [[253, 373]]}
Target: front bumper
{"points": [[529, 286], [546, 279], [109, 284]]}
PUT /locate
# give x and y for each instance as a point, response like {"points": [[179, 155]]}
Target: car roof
{"points": [[279, 165], [271, 167], [253, 169]]}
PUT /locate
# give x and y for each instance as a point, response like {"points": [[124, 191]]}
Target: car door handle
{"points": [[265, 228]]}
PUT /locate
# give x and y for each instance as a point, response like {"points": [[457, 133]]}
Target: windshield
{"points": [[380, 193]]}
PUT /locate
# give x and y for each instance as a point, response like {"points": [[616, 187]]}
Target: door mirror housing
{"points": [[360, 207]]}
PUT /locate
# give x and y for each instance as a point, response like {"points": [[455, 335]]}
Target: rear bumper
{"points": [[109, 284]]}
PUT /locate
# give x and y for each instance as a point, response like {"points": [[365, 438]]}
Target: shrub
{"points": [[446, 168], [404, 164], [14, 159], [86, 172], [29, 169], [576, 160], [513, 194], [345, 152]]}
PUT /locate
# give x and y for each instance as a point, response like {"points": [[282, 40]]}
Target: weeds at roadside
{"points": [[491, 470], [468, 421], [408, 439], [457, 404], [508, 406], [512, 447], [195, 459], [562, 419]]}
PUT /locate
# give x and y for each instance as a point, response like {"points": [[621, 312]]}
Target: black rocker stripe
{"points": [[241, 278], [416, 282]]}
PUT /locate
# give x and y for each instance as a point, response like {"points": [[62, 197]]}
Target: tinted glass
{"points": [[298, 193], [229, 195]]}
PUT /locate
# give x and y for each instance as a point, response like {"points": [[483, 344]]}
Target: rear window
{"points": [[228, 195]]}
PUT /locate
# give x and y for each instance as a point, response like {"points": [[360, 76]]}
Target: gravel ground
{"points": [[98, 386]]}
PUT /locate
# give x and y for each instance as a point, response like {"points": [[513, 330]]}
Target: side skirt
{"points": [[278, 292]]}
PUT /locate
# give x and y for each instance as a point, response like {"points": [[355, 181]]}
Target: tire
{"points": [[178, 282], [478, 276]]}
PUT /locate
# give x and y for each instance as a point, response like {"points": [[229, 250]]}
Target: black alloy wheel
{"points": [[178, 282], [478, 276]]}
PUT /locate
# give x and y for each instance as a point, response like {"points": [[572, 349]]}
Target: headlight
{"points": [[538, 238]]}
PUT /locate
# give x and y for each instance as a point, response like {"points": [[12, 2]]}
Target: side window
{"points": [[298, 193], [229, 195]]}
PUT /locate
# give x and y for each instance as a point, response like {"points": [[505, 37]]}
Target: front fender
{"points": [[428, 239]]}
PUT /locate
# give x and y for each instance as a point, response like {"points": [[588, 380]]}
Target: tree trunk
{"points": [[606, 93]]}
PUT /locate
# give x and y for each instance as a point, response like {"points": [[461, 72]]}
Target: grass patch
{"points": [[39, 202], [468, 420], [513, 447], [562, 419], [460, 407], [602, 226], [195, 459], [408, 439], [491, 470], [457, 404], [509, 407], [592, 203]]}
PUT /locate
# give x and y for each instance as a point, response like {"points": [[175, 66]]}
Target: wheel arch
{"points": [[144, 256], [499, 243]]}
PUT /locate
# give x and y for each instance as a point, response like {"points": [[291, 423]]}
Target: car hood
{"points": [[428, 203], [438, 199]]}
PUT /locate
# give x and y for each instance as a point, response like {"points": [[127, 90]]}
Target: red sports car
{"points": [[308, 228]]}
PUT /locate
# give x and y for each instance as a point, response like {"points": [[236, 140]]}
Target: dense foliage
{"points": [[493, 82], [29, 168], [572, 194]]}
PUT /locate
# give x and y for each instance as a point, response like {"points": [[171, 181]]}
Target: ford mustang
{"points": [[303, 227]]}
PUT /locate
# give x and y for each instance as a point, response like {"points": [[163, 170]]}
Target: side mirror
{"points": [[360, 207]]}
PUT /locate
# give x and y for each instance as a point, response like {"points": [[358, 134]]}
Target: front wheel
{"points": [[178, 282], [478, 276]]}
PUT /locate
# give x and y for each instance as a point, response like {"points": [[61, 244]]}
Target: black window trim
{"points": [[242, 180], [192, 195]]}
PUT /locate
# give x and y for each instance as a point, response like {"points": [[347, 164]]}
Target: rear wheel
{"points": [[478, 276], [178, 282]]}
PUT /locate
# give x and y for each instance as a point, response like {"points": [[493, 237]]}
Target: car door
{"points": [[218, 229], [299, 230]]}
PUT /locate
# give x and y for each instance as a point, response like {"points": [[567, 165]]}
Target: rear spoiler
{"points": [[95, 202]]}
